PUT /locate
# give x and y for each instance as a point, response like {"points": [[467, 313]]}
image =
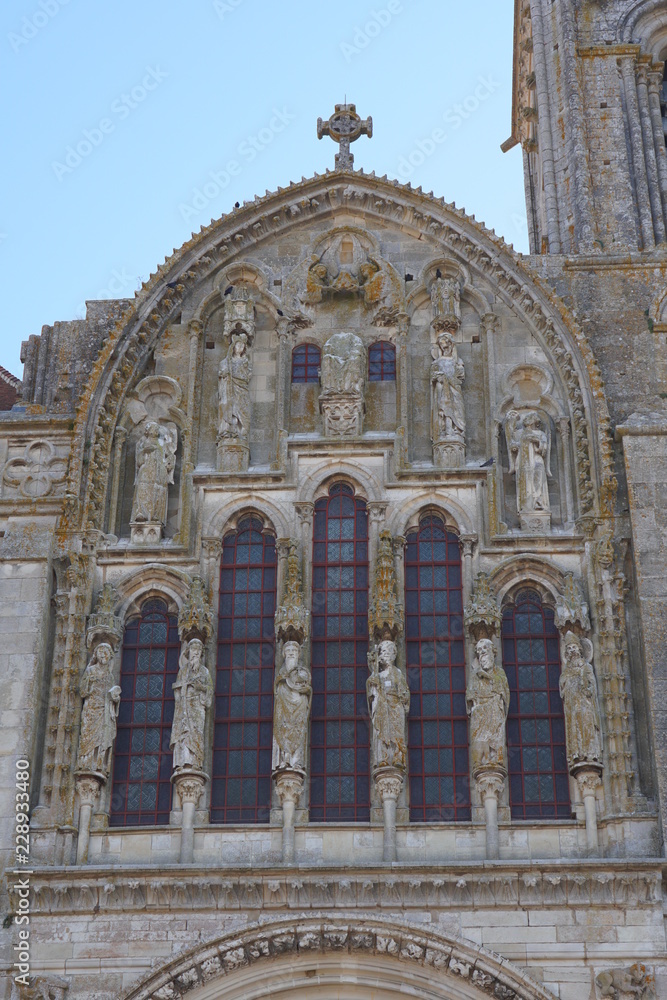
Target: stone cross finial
{"points": [[344, 127]]}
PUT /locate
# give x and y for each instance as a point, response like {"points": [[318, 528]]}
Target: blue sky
{"points": [[122, 118]]}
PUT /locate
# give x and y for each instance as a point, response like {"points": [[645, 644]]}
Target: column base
{"points": [[232, 456]]}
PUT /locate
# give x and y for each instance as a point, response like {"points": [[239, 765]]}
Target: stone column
{"points": [[545, 135], [389, 782], [638, 159], [491, 784], [398, 546], [377, 511], [654, 80], [88, 787], [189, 786], [402, 382], [289, 786], [305, 510], [589, 780], [282, 551], [564, 427], [649, 152], [467, 543], [282, 376]]}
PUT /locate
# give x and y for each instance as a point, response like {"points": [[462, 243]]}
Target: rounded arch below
{"points": [[320, 958]]}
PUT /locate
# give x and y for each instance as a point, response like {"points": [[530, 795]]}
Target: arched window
{"points": [[305, 363], [538, 776], [437, 724], [241, 781], [339, 735], [141, 784], [382, 362]]}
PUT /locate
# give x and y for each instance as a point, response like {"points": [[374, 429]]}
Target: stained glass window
{"points": [[141, 783], [340, 739], [241, 780], [538, 775], [305, 363], [382, 362], [437, 724]]}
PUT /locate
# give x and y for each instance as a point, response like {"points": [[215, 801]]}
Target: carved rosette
{"points": [[103, 624], [385, 615], [292, 618], [195, 619], [481, 616]]}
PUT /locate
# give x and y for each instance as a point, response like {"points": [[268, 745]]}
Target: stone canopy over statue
{"points": [[193, 693], [154, 473], [343, 376], [101, 701]]}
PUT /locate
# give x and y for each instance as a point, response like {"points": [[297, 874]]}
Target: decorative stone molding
{"points": [[195, 618], [571, 608], [39, 473], [385, 614], [61, 891], [292, 618], [434, 953], [103, 624], [482, 616]]}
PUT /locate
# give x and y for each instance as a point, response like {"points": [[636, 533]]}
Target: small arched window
{"points": [[382, 362], [241, 785], [537, 762], [339, 734], [306, 360], [141, 783], [437, 724]]}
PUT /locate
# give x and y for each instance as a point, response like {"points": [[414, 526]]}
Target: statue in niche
{"points": [[448, 420], [155, 463], [343, 375], [193, 694], [488, 702], [446, 303], [291, 711], [388, 703], [234, 390], [529, 449], [101, 701], [578, 689]]}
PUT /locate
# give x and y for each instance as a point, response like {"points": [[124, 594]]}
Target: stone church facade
{"points": [[333, 589]]}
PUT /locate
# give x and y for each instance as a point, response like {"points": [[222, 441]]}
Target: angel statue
{"points": [[578, 689], [529, 449], [234, 389], [155, 463]]}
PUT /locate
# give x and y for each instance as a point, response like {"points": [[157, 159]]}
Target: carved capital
{"points": [[304, 510], [212, 547], [388, 781], [289, 784], [467, 543], [490, 781], [588, 779], [377, 511], [283, 547], [195, 329], [88, 786], [195, 619], [190, 784], [398, 544]]}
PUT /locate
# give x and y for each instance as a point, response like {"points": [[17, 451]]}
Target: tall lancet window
{"points": [[339, 736], [141, 782], [538, 775], [241, 780], [437, 725]]}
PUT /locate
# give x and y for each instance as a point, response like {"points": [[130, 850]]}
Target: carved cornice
{"points": [[578, 884], [156, 305]]}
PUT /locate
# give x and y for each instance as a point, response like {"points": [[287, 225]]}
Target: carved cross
{"points": [[344, 127]]}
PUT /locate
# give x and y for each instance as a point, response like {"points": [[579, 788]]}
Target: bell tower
{"points": [[587, 110]]}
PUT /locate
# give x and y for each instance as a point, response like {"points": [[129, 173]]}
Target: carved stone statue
{"points": [[488, 702], [193, 694], [388, 703], [292, 698], [447, 412], [578, 689], [100, 711], [343, 376], [446, 304], [155, 463], [622, 983], [529, 449], [234, 390]]}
